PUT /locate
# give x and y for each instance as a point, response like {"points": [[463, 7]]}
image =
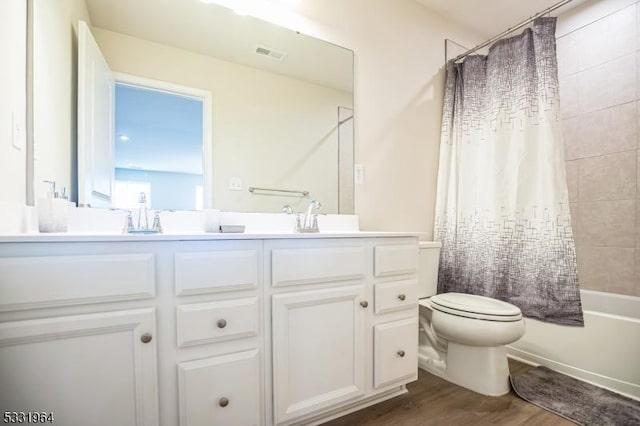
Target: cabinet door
{"points": [[318, 350], [85, 369], [222, 390]]}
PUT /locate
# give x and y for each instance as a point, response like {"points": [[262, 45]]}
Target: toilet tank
{"points": [[429, 259]]}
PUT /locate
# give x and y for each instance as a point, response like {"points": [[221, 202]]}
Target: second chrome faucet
{"points": [[309, 221], [143, 219]]}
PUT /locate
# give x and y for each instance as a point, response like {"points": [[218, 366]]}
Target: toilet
{"points": [[463, 336]]}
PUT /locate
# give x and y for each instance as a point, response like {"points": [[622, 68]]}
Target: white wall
{"points": [[13, 31], [399, 77], [268, 129], [55, 98]]}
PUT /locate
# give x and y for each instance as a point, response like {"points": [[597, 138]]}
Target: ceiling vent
{"points": [[270, 53]]}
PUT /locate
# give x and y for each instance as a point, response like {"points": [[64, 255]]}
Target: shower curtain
{"points": [[502, 208]]}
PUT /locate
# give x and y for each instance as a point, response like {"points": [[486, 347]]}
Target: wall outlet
{"points": [[358, 174], [235, 184]]}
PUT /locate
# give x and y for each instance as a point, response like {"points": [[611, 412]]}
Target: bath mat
{"points": [[575, 400]]}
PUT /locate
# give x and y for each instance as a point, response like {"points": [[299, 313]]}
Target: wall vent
{"points": [[270, 53]]}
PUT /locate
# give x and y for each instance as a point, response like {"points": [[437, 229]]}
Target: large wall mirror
{"points": [[191, 103]]}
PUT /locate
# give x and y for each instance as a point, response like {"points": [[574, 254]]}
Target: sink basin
{"points": [[83, 221]]}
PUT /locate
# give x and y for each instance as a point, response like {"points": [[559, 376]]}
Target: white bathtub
{"points": [[605, 352]]}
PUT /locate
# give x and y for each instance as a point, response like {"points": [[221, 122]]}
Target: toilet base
{"points": [[481, 369]]}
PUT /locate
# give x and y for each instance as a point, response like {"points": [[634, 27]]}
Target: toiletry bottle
{"points": [[52, 211]]}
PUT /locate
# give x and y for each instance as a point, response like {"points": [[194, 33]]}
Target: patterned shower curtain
{"points": [[502, 208]]}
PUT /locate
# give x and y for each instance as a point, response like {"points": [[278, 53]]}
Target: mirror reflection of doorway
{"points": [[159, 138], [137, 131]]}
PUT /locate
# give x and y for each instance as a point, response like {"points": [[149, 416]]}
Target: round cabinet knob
{"points": [[222, 323], [401, 353], [364, 303], [402, 296], [146, 338], [223, 402]]}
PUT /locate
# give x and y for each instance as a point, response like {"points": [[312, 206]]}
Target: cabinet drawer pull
{"points": [[222, 323], [402, 297], [146, 338], [401, 353], [364, 303], [223, 402]]}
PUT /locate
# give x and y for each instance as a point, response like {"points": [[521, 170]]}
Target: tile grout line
{"points": [[636, 100], [634, 4], [589, 68], [603, 155]]}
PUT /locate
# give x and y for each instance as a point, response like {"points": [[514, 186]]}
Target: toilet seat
{"points": [[476, 307]]}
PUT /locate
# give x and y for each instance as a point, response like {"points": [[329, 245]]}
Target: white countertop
{"points": [[95, 237], [103, 225]]}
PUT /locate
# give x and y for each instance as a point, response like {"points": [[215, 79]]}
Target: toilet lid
{"points": [[473, 306]]}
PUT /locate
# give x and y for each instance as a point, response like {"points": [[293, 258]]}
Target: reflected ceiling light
{"points": [[280, 12], [124, 138], [241, 7], [252, 7]]}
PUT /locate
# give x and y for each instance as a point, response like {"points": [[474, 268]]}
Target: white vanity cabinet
{"points": [[341, 338], [218, 297], [210, 330], [84, 366], [97, 369], [318, 349]]}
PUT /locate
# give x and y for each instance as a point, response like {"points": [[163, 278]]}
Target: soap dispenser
{"points": [[53, 211]]}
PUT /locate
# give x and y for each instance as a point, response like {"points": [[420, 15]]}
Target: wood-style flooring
{"points": [[433, 401]]}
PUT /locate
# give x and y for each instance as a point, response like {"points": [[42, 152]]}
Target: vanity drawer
{"points": [[201, 323], [215, 271], [41, 282], [316, 265], [396, 260], [222, 390], [395, 352], [395, 296]]}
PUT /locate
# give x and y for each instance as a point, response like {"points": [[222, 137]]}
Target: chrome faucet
{"points": [[308, 222], [287, 209], [142, 211], [143, 219]]}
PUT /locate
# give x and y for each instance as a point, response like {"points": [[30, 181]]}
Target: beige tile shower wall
{"points": [[598, 60]]}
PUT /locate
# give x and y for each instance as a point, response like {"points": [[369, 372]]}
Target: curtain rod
{"points": [[512, 29]]}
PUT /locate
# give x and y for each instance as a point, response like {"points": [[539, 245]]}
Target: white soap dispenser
{"points": [[53, 212]]}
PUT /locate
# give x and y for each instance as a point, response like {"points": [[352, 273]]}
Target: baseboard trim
{"points": [[354, 407]]}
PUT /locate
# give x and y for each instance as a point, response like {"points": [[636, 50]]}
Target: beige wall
{"points": [[13, 18], [598, 66], [399, 60], [270, 130], [55, 98]]}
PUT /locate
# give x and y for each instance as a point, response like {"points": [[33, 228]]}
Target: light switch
{"points": [[235, 184], [358, 174], [17, 132]]}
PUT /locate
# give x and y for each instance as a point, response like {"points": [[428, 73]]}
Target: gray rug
{"points": [[575, 400]]}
